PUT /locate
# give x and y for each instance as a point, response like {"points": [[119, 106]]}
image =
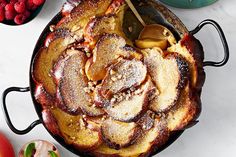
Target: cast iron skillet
{"points": [[159, 14]]}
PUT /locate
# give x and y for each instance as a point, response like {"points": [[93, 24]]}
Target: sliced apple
{"points": [[99, 100], [147, 120], [118, 135], [94, 123], [170, 73], [131, 109], [80, 15], [50, 122], [111, 23], [68, 6], [186, 110], [100, 25], [75, 132], [107, 50], [115, 6], [43, 98], [122, 76], [57, 42], [191, 49], [149, 141], [72, 83]]}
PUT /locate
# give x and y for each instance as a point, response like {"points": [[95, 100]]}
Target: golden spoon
{"points": [[154, 35]]}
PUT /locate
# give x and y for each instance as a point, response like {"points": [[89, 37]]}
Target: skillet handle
{"points": [[223, 40], [6, 114]]}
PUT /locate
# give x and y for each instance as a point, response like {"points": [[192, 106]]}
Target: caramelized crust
{"points": [[100, 25], [147, 120], [118, 134], [50, 122], [68, 6], [186, 110], [191, 49], [43, 98], [107, 50], [115, 5], [122, 76], [170, 73], [131, 109], [97, 26], [104, 97], [71, 84], [80, 15], [74, 130], [55, 44], [152, 139]]}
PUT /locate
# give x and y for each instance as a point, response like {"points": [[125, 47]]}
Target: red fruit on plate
{"points": [[38, 2], [19, 19], [2, 14], [6, 149], [20, 7]]}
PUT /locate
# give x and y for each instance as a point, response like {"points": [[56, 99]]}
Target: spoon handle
{"points": [[130, 4]]}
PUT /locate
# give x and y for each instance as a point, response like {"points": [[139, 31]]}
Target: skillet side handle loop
{"points": [[6, 114], [223, 40]]}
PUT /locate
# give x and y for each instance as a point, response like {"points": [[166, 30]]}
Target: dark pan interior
{"points": [[155, 13]]}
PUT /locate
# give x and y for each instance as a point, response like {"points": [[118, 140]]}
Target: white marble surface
{"points": [[215, 135]]}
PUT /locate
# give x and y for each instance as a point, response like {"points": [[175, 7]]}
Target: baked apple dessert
{"points": [[108, 95]]}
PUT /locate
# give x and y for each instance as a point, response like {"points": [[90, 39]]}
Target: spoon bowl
{"points": [[153, 35]]}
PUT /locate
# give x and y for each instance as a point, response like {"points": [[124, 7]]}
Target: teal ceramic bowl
{"points": [[188, 3]]}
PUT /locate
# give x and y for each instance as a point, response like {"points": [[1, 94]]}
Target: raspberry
{"points": [[3, 3], [10, 7], [19, 7], [9, 15], [9, 11], [27, 14], [30, 5], [38, 2], [13, 1], [2, 14], [19, 19]]}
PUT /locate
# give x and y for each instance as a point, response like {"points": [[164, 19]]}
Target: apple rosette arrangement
{"points": [[108, 95]]}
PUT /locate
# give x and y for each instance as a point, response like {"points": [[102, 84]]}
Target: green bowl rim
{"points": [[176, 4]]}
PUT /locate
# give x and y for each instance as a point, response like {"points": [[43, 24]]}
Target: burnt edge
{"points": [[132, 139], [94, 21], [59, 66], [195, 48], [183, 69]]}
